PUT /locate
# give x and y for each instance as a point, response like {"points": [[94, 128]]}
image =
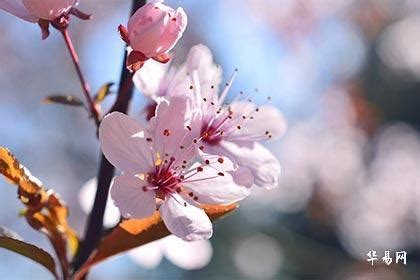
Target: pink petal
{"points": [[185, 220], [187, 255], [173, 32], [169, 128], [125, 144], [259, 160], [218, 185], [267, 122], [16, 8], [48, 9], [131, 198], [146, 26]]}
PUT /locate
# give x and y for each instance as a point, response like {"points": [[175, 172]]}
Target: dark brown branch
{"points": [[94, 229]]}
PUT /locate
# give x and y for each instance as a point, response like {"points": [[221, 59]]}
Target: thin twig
{"points": [[94, 230], [85, 86]]}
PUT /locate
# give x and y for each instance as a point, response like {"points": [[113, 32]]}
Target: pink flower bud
{"points": [[48, 9], [155, 28]]}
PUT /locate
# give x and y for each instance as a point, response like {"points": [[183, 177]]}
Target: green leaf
{"points": [[64, 100], [12, 242], [103, 92]]}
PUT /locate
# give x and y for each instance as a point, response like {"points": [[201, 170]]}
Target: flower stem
{"points": [[94, 229], [85, 86]]}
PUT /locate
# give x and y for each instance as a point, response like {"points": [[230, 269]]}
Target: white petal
{"points": [[124, 143], [131, 199], [187, 255], [262, 123], [16, 8], [259, 160], [169, 128], [148, 255], [151, 81], [86, 198], [185, 220], [218, 185]]}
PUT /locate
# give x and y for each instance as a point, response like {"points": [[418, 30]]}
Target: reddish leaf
{"points": [[124, 34], [136, 232], [163, 58], [10, 241], [45, 211], [135, 60]]}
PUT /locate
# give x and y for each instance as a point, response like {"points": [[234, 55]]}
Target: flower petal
{"points": [[131, 199], [48, 9], [148, 255], [173, 32], [169, 127], [151, 80], [124, 143], [216, 184], [259, 160], [260, 123], [187, 255], [16, 8], [86, 198], [185, 220]]}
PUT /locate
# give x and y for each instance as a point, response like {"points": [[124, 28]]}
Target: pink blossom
{"points": [[33, 10], [233, 130], [186, 255], [152, 32], [161, 168]]}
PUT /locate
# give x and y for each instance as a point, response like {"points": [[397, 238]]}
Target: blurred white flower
{"points": [[383, 214], [398, 46], [86, 198], [258, 256], [186, 255]]}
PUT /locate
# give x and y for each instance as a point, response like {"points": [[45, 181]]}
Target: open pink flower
{"points": [[152, 32], [233, 130], [161, 169]]}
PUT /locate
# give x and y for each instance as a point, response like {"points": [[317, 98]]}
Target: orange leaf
{"points": [[136, 232], [45, 212]]}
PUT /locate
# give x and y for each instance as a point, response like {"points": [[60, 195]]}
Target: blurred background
{"points": [[346, 75]]}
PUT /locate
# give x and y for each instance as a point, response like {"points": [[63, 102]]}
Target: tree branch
{"points": [[94, 229], [85, 86]]}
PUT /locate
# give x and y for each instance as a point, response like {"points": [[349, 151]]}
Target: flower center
{"points": [[211, 134], [165, 182]]}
